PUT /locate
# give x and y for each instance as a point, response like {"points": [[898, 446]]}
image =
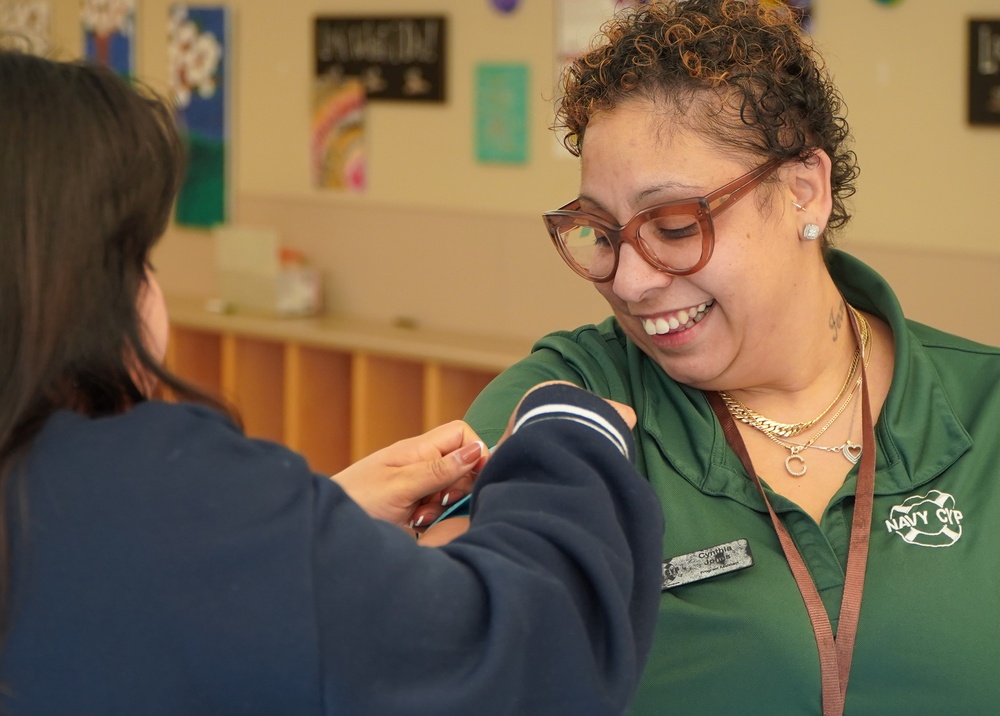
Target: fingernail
{"points": [[444, 500], [420, 521], [470, 453], [411, 524]]}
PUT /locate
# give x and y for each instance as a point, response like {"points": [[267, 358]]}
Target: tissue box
{"points": [[258, 275]]}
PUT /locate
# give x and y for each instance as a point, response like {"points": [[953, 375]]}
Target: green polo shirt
{"points": [[741, 643]]}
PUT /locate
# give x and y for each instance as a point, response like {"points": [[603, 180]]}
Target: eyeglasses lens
{"points": [[590, 248], [669, 241]]}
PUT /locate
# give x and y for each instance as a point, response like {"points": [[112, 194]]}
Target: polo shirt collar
{"points": [[918, 433]]}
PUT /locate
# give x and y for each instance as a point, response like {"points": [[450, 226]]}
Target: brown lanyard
{"points": [[834, 652]]}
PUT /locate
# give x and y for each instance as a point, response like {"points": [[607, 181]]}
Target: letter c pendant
{"points": [[802, 464]]}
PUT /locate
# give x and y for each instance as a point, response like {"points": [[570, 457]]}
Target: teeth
{"points": [[681, 320]]}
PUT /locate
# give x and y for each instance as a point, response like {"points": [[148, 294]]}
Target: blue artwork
{"points": [[109, 33], [197, 59]]}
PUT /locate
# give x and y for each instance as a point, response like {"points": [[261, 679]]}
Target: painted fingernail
{"points": [[471, 452], [444, 500], [420, 521]]}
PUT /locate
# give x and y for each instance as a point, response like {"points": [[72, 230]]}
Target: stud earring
{"points": [[810, 232], [798, 206]]}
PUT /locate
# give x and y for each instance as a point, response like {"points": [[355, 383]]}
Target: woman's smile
{"points": [[676, 321]]}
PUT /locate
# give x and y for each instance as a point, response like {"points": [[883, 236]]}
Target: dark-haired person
{"points": [[714, 171], [157, 561]]}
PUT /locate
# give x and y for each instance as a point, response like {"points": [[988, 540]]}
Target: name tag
{"points": [[705, 563]]}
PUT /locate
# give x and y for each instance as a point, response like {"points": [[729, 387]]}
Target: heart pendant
{"points": [[852, 452]]}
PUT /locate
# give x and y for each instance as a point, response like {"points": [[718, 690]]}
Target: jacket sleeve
{"points": [[592, 357], [546, 605]]}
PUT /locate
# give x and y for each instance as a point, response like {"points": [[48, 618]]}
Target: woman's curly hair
{"points": [[740, 71]]}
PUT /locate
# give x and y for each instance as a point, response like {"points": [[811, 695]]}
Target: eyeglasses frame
{"points": [[700, 207]]}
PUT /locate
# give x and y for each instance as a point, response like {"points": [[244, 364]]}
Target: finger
{"points": [[437, 475], [424, 516], [434, 497], [478, 467], [444, 531], [435, 443], [627, 413], [453, 495]]}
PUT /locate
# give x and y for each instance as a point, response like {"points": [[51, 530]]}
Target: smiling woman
{"points": [[782, 396]]}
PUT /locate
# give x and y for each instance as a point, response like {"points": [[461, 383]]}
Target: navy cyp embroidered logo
{"points": [[929, 520]]}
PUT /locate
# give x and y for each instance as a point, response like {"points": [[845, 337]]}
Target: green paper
{"points": [[502, 113]]}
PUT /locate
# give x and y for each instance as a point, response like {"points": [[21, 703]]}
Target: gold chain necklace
{"points": [[795, 464], [773, 428], [849, 450]]}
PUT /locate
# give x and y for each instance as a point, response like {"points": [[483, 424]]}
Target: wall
{"points": [[451, 243]]}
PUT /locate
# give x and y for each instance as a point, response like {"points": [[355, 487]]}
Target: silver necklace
{"points": [[851, 451]]}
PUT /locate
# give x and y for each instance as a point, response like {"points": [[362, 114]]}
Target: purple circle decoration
{"points": [[506, 5]]}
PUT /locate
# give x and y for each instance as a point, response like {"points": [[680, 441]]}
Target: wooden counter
{"points": [[333, 388]]}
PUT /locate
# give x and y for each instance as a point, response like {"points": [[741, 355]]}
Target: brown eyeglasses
{"points": [[676, 238]]}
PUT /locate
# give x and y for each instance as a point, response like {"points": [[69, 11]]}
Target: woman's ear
{"points": [[809, 183]]}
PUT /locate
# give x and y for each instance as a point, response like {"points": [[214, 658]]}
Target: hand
{"points": [[408, 481], [447, 530], [444, 531]]}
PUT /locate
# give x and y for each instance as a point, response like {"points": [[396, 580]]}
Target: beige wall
{"points": [[451, 243]]}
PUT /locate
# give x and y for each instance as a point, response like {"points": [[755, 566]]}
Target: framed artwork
{"points": [[984, 72], [24, 25], [398, 58], [109, 33], [198, 67], [502, 113], [337, 152]]}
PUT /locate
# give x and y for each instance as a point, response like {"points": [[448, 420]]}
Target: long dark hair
{"points": [[89, 168]]}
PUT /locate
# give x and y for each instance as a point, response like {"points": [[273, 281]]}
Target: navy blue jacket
{"points": [[163, 563]]}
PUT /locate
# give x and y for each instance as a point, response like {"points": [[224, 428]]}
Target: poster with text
{"points": [[398, 58], [197, 55], [109, 33]]}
